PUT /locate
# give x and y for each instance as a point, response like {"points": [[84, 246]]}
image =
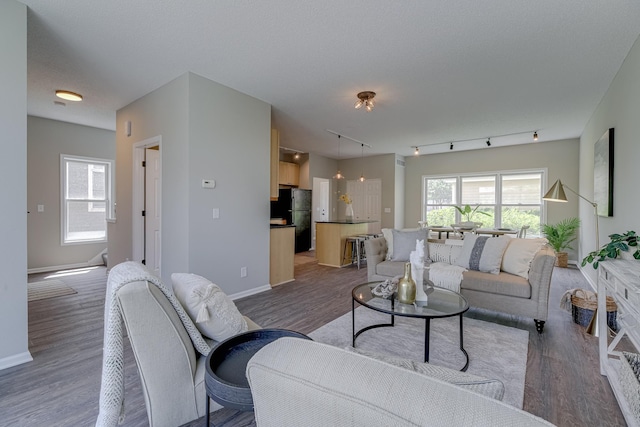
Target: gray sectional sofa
{"points": [[503, 292]]}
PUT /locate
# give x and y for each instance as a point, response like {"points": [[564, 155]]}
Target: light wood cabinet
{"points": [[281, 255], [275, 160], [289, 174], [621, 280], [330, 242]]}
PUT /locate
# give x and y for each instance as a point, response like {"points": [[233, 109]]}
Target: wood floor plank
{"points": [[61, 386]]}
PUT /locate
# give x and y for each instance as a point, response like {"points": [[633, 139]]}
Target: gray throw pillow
{"points": [[404, 242]]}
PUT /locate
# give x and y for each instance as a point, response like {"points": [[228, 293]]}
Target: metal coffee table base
{"points": [[427, 332]]}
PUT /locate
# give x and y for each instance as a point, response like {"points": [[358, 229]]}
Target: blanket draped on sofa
{"points": [[112, 386]]}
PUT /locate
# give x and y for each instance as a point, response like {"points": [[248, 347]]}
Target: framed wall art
{"points": [[603, 174]]}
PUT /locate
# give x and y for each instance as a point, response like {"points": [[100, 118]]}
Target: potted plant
{"points": [[560, 237], [617, 247], [468, 213]]}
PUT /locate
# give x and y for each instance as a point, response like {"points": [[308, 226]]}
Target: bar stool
{"points": [[355, 242]]}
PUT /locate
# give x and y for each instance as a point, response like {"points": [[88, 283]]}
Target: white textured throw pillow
{"points": [[519, 254], [213, 312], [482, 253]]}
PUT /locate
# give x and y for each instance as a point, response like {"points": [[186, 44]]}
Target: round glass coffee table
{"points": [[441, 303]]}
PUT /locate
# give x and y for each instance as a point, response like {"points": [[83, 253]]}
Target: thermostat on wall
{"points": [[208, 183]]}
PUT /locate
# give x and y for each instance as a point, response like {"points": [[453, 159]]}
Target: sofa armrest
{"points": [[376, 251], [540, 279]]}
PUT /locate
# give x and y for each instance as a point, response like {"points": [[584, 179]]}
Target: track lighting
{"points": [[473, 142], [417, 152], [488, 142], [535, 136], [338, 175], [362, 162], [451, 146]]}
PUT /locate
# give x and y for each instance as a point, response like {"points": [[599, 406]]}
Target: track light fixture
{"points": [[535, 136], [338, 174], [365, 99], [488, 142], [451, 146], [472, 141], [362, 163], [417, 152]]}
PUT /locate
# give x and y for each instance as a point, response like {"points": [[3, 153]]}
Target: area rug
{"points": [[495, 351], [48, 289]]}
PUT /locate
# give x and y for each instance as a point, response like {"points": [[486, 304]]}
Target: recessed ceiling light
{"points": [[69, 96]]}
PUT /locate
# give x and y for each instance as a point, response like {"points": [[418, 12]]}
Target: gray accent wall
{"points": [[46, 141], [207, 131], [618, 109], [13, 184], [560, 158]]}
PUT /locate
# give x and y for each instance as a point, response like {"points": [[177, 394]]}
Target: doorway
{"points": [[147, 204], [319, 205]]}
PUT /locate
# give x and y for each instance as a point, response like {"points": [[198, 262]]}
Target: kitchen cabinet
{"points": [[289, 174], [275, 167], [330, 241], [281, 254]]}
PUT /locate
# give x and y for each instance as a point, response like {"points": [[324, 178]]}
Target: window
{"points": [[510, 199], [86, 196]]}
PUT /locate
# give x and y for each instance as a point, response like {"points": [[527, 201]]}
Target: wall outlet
{"points": [[40, 208], [243, 272]]}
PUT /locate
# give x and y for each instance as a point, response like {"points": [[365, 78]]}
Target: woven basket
{"points": [[629, 374], [583, 307]]}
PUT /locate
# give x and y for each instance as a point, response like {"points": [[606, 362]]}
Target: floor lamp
{"points": [[556, 194]]}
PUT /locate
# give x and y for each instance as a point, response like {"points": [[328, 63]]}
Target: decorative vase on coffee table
{"points": [[407, 287]]}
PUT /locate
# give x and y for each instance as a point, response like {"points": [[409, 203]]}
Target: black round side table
{"points": [[225, 379]]}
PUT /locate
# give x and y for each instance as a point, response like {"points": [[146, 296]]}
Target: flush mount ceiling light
{"points": [[365, 99], [69, 96]]}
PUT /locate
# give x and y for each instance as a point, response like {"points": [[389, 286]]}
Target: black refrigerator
{"points": [[294, 205]]}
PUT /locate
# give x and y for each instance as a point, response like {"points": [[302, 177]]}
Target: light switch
{"points": [[208, 183], [40, 208], [216, 213]]}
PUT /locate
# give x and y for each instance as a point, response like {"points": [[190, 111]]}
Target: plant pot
{"points": [[562, 259]]}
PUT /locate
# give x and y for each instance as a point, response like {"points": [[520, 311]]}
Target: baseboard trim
{"points": [[249, 292], [62, 267], [16, 359]]}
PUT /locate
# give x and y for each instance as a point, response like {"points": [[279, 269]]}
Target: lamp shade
{"points": [[555, 193]]}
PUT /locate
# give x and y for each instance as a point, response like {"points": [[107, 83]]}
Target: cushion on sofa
{"points": [[482, 253], [390, 268], [489, 387], [212, 311], [442, 252], [503, 283], [404, 242], [519, 254]]}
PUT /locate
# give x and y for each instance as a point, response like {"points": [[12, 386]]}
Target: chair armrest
{"points": [[376, 252], [540, 279]]}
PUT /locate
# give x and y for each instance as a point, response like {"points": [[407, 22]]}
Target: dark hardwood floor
{"points": [[61, 386]]}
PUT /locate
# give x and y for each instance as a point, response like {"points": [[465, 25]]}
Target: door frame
{"points": [[315, 201], [138, 193]]}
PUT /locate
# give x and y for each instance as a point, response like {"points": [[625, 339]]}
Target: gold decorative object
{"points": [[407, 287]]}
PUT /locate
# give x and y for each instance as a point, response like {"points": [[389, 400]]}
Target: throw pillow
{"points": [[519, 254], [213, 312], [404, 242], [443, 252], [482, 253]]}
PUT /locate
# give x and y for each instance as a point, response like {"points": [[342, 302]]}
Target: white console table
{"points": [[621, 280]]}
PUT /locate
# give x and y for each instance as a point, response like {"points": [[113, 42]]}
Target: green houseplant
{"points": [[560, 237], [468, 212], [619, 243]]}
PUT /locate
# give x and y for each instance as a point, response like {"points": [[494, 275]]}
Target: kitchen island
{"points": [[330, 241]]}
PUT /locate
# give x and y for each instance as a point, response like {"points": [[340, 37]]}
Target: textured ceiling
{"points": [[443, 70]]}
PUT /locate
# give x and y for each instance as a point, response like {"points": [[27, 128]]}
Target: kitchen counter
{"points": [[330, 241], [347, 222], [282, 226], [281, 254]]}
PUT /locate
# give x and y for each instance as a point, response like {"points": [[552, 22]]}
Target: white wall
{"points": [[207, 131], [46, 140], [13, 184], [618, 109]]}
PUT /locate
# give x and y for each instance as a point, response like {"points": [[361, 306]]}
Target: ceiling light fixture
{"points": [[69, 96], [417, 152], [362, 163], [488, 142], [451, 146], [365, 99], [535, 136], [338, 175]]}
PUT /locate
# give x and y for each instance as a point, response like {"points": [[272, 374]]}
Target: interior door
{"points": [[319, 205], [152, 209]]}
